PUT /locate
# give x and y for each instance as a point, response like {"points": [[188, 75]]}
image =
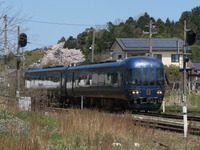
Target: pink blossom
{"points": [[57, 55]]}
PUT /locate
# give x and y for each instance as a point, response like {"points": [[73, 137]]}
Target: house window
{"points": [[119, 56], [175, 57], [158, 56]]}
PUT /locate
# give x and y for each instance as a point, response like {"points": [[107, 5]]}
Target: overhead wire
{"points": [[59, 23]]}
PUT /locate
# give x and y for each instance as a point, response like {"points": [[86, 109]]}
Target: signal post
{"points": [[189, 39], [22, 42]]}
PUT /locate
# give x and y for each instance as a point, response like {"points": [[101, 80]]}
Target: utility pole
{"points": [[151, 27], [93, 41], [5, 53], [150, 40], [18, 66], [23, 59], [184, 105]]}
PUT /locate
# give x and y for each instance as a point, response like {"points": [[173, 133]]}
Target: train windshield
{"points": [[145, 76], [148, 75], [160, 76], [133, 76]]}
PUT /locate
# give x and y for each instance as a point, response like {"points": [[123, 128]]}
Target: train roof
{"points": [[48, 69], [142, 62], [131, 62]]}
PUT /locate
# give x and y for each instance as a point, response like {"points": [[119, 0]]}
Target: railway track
{"points": [[171, 116], [179, 111], [166, 125]]}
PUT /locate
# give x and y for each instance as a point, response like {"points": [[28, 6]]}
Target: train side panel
{"points": [[100, 82], [47, 79]]}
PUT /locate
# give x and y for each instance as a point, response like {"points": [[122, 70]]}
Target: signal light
{"points": [[190, 37], [22, 40], [186, 59]]}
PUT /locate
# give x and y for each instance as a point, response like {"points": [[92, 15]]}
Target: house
{"points": [[166, 50], [194, 76]]}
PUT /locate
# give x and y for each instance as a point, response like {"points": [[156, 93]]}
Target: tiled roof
{"points": [[143, 44], [197, 65]]}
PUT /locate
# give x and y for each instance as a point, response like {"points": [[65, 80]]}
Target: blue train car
{"points": [[136, 83]]}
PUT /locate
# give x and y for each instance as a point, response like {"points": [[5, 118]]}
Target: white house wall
{"points": [[166, 58], [166, 55]]}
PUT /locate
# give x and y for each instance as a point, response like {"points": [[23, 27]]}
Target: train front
{"points": [[145, 84]]}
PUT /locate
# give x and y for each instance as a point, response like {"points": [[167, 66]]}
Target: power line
{"points": [[58, 23]]}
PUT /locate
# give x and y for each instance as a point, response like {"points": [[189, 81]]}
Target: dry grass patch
{"points": [[86, 130]]}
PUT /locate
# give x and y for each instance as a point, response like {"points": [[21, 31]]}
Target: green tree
{"points": [[160, 28], [61, 40], [195, 19], [172, 73], [71, 43], [84, 42], [195, 53], [186, 15], [143, 21]]}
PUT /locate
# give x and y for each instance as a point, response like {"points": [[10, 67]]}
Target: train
{"points": [[135, 83]]}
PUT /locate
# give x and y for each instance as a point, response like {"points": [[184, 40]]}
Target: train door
{"points": [[70, 81], [63, 84], [73, 83]]}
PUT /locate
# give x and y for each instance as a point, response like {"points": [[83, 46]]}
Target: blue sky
{"points": [[86, 12]]}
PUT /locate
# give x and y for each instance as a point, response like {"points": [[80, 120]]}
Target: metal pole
{"points": [[5, 53], [151, 27], [93, 41], [18, 67], [184, 85], [23, 59], [177, 44], [81, 102], [163, 105], [150, 40]]}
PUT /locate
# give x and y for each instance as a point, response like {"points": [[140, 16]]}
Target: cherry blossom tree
{"points": [[57, 55]]}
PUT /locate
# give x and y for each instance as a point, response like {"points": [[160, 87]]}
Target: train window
{"points": [[160, 76], [84, 79], [151, 76], [81, 79], [88, 81], [145, 76], [94, 79], [114, 78], [101, 79], [108, 79], [133, 76]]}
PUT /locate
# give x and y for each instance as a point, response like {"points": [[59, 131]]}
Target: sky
{"points": [[46, 21]]}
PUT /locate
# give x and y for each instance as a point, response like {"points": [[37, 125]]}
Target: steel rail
{"points": [[166, 125]]}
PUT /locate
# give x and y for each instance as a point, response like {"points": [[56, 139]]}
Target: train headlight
{"points": [[159, 92], [135, 92]]}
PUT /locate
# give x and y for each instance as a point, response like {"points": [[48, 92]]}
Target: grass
{"points": [[173, 100], [194, 101], [83, 130], [88, 129]]}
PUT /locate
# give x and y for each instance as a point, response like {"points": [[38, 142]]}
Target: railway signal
{"points": [[22, 40], [190, 37]]}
